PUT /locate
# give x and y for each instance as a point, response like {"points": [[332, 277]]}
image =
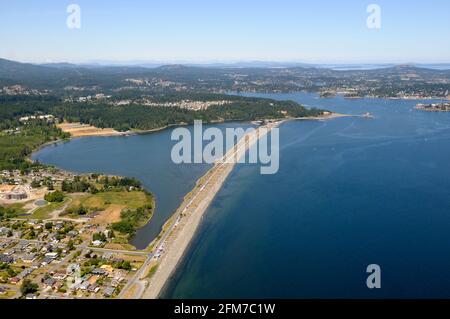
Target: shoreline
{"points": [[179, 231], [187, 219]]}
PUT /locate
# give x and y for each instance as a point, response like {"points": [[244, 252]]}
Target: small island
{"points": [[434, 107]]}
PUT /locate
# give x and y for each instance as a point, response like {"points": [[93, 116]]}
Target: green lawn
{"points": [[100, 201]]}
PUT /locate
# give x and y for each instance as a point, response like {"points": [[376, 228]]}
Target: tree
{"points": [[55, 197], [77, 210], [70, 245], [125, 265], [50, 186], [35, 184], [99, 236], [28, 287], [124, 227], [111, 234]]}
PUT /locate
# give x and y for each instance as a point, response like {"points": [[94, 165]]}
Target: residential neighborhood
{"points": [[56, 258]]}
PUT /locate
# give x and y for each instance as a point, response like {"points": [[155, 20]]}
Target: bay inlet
{"points": [[146, 157], [350, 192]]}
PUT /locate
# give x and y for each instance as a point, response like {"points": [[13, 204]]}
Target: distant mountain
{"points": [[61, 65], [59, 75], [16, 70], [171, 67]]}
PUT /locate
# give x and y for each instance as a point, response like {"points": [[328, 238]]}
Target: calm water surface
{"points": [[146, 157], [350, 192]]}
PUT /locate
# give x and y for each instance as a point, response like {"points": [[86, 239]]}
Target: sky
{"points": [[320, 31]]}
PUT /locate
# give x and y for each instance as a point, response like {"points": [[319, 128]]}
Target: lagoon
{"points": [[146, 157]]}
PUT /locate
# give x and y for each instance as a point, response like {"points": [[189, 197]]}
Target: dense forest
{"points": [[17, 146], [18, 139], [143, 117]]}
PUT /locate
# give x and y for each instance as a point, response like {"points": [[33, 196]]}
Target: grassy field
{"points": [[101, 201], [109, 205], [19, 207], [9, 294]]}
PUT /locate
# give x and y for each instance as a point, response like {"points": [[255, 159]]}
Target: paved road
{"points": [[238, 150], [82, 246]]}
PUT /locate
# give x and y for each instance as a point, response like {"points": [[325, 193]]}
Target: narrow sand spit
{"points": [[182, 227], [169, 248]]}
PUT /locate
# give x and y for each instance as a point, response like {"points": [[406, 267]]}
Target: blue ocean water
{"points": [[350, 192], [146, 157]]}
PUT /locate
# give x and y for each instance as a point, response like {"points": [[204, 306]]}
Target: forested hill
{"points": [[19, 138], [393, 81], [143, 117]]}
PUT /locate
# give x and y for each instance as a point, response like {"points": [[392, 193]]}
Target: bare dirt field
{"points": [[79, 130]]}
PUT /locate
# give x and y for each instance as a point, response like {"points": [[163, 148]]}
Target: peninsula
{"points": [[169, 248]]}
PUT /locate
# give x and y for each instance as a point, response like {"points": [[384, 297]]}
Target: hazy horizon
{"points": [[287, 31], [281, 63]]}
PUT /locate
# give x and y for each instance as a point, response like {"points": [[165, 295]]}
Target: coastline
{"points": [[185, 222], [178, 232]]}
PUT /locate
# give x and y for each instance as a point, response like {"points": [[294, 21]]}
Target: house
{"points": [[60, 275], [108, 268], [29, 258], [9, 252], [25, 273], [3, 245], [57, 285], [30, 296], [94, 288], [72, 233], [100, 272], [119, 274], [114, 283], [51, 255], [6, 259], [47, 248], [109, 291], [14, 280], [18, 194], [108, 255], [4, 231], [73, 269], [49, 282], [2, 291], [97, 243], [84, 285], [46, 261], [93, 279], [21, 246]]}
